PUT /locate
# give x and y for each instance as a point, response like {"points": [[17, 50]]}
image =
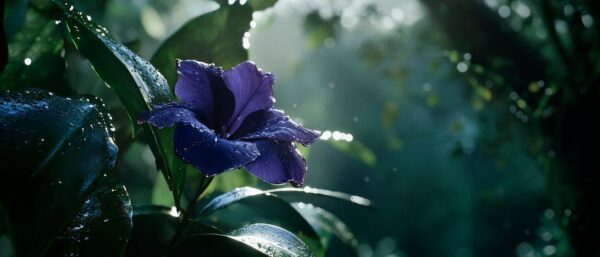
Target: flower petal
{"points": [[200, 87], [167, 115], [252, 90], [274, 124], [278, 163], [193, 85], [199, 146]]}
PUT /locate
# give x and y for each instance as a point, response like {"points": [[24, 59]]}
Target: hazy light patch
{"points": [[152, 22], [521, 9], [587, 20], [504, 11]]}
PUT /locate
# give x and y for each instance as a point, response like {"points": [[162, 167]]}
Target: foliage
{"points": [[65, 196]]}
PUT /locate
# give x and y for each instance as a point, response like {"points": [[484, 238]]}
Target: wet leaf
{"points": [[252, 240], [92, 232], [247, 205], [215, 37], [326, 224], [58, 156], [34, 55], [137, 83], [309, 191]]}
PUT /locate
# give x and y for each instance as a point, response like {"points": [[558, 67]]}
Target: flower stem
{"points": [[186, 217]]}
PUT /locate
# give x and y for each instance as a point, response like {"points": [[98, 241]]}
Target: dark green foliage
{"points": [[153, 230], [61, 195], [259, 206], [252, 240], [327, 225], [34, 55], [137, 83], [215, 37], [59, 190]]}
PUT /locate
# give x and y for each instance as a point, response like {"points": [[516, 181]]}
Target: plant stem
{"points": [[185, 219]]}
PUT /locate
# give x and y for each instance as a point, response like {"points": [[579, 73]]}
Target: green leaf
{"points": [[326, 224], [58, 184], [35, 55], [153, 229], [137, 83], [215, 37], [309, 191], [252, 240], [231, 180], [93, 229], [238, 194], [213, 245], [161, 195], [250, 205]]}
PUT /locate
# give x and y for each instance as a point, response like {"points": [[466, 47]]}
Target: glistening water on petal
{"points": [[226, 119]]}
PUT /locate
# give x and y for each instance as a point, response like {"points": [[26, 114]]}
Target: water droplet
{"points": [[27, 61]]}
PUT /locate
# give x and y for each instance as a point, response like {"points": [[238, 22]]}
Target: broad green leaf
{"points": [[326, 224], [154, 228], [249, 205], [58, 184], [215, 37], [35, 55], [137, 83], [252, 240], [214, 245], [93, 229]]}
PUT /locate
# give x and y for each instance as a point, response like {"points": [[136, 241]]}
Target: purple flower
{"points": [[226, 120]]}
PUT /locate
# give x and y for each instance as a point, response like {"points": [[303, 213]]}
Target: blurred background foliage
{"points": [[471, 124]]}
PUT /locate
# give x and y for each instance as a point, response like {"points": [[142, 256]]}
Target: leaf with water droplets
{"points": [[137, 83], [55, 174], [252, 240], [238, 194], [246, 205], [326, 224], [310, 191], [103, 225]]}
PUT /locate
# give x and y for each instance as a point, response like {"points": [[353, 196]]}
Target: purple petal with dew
{"points": [[167, 115], [194, 86], [199, 146], [274, 124], [279, 162], [252, 90]]}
